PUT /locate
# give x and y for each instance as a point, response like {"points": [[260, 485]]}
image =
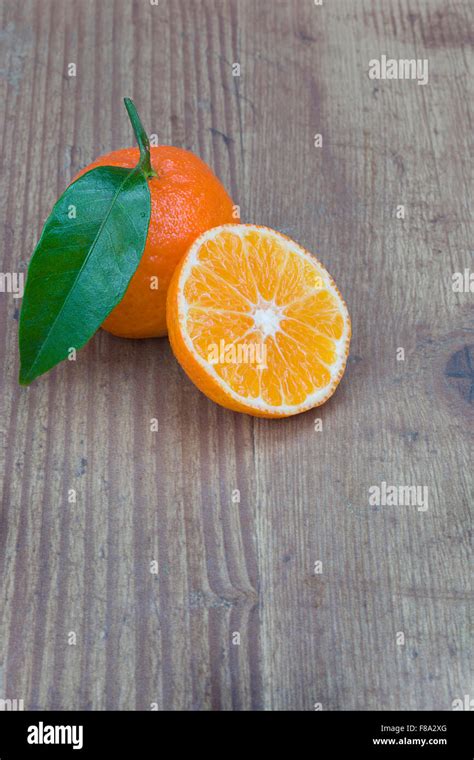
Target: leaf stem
{"points": [[142, 139]]}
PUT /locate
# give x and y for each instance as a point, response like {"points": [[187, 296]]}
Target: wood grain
{"points": [[165, 639]]}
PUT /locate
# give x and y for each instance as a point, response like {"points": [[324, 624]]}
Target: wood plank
{"points": [[166, 639]]}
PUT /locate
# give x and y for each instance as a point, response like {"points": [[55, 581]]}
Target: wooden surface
{"points": [[165, 639]]}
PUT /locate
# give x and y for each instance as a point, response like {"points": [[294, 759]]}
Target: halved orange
{"points": [[256, 322]]}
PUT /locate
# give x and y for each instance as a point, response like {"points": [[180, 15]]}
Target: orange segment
{"points": [[308, 341], [257, 322], [266, 258], [300, 278], [234, 269], [205, 328], [319, 310], [205, 288]]}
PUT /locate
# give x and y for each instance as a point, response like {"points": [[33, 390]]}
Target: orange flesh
{"points": [[254, 292]]}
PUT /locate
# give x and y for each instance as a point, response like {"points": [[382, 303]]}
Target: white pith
{"points": [[267, 316]]}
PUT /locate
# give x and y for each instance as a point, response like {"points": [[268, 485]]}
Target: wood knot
{"points": [[460, 372]]}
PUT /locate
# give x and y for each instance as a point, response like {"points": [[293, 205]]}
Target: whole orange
{"points": [[186, 200]]}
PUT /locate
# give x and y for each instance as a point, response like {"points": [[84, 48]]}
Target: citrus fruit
{"points": [[186, 199], [256, 322]]}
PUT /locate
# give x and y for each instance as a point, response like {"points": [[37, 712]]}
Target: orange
{"points": [[257, 323], [186, 199]]}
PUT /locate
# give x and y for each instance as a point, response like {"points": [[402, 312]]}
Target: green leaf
{"points": [[89, 250]]}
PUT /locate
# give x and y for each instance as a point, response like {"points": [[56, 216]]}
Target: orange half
{"points": [[257, 323]]}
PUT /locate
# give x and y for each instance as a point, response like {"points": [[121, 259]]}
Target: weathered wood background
{"points": [[166, 639]]}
